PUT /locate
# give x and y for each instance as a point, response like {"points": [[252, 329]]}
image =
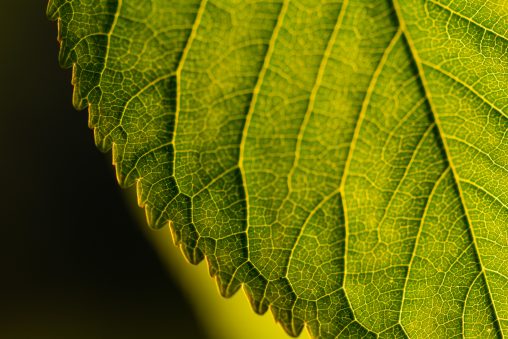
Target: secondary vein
{"points": [[418, 63], [303, 126], [252, 105], [356, 134]]}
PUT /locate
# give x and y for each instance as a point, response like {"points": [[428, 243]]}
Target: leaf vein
{"points": [[252, 104], [471, 20], [418, 63]]}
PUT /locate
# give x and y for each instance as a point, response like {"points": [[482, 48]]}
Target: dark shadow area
{"points": [[74, 263]]}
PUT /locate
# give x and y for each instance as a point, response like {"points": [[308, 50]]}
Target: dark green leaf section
{"points": [[343, 161]]}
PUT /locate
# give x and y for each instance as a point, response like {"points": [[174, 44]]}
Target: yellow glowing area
{"points": [[222, 318]]}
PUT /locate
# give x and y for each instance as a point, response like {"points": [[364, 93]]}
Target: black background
{"points": [[73, 261]]}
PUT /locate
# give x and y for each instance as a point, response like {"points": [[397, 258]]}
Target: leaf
{"points": [[344, 161]]}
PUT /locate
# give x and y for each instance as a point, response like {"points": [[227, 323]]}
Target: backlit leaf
{"points": [[344, 161]]}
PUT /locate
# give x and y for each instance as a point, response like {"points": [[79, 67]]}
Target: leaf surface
{"points": [[344, 161]]}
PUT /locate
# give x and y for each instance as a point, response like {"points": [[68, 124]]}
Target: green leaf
{"points": [[343, 161]]}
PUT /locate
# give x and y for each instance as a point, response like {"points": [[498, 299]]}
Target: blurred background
{"points": [[76, 257], [74, 263]]}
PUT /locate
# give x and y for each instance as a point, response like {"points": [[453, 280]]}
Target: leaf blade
{"points": [[219, 111]]}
